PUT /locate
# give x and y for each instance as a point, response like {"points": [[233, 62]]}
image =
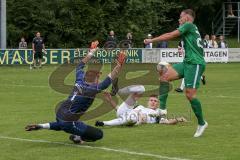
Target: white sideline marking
{"points": [[22, 85], [173, 94], [91, 147], [216, 96], [222, 96]]}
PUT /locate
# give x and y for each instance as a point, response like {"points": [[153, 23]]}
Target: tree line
{"points": [[74, 23]]}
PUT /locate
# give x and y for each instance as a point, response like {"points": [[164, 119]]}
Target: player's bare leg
{"points": [[166, 74], [40, 63], [34, 63]]}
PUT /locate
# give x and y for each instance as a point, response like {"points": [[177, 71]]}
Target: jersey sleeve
{"points": [[79, 71], [140, 107], [105, 83], [42, 40], [33, 40], [154, 112], [185, 28]]}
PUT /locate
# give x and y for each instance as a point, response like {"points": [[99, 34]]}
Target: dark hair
{"points": [[154, 95], [189, 12]]}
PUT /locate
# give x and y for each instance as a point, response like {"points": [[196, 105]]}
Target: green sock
{"points": [[163, 101], [163, 94], [197, 109]]}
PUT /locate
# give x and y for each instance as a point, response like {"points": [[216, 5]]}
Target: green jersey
{"points": [[193, 45]]}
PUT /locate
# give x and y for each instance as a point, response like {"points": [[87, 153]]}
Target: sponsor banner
{"points": [[234, 55], [108, 56], [216, 55], [172, 55], [20, 56], [151, 55], [13, 56], [60, 56]]}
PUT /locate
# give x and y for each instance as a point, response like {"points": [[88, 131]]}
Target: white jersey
{"points": [[146, 112]]}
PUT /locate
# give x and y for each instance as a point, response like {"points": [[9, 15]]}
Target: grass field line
{"points": [[23, 85], [215, 96], [92, 147], [172, 94]]}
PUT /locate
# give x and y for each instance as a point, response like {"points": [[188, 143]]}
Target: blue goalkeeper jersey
{"points": [[83, 94]]}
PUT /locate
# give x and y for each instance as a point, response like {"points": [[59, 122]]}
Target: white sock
{"points": [[114, 122], [132, 89], [182, 84], [45, 125]]}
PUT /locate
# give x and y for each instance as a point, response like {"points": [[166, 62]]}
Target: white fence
{"points": [[172, 55]]}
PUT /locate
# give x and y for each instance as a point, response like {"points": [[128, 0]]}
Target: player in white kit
{"points": [[130, 114]]}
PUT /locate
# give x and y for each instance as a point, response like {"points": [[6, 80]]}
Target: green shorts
{"points": [[190, 72]]}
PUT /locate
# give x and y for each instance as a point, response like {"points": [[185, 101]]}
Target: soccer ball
{"points": [[162, 67]]}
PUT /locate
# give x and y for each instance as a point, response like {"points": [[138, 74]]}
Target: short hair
{"points": [[91, 75], [190, 12], [154, 95]]}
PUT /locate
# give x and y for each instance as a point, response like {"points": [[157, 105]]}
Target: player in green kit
{"points": [[190, 69]]}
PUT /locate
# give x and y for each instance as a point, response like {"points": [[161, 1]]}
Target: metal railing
{"points": [[226, 19]]}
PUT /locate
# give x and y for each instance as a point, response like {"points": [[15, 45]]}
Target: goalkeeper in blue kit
{"points": [[86, 87]]}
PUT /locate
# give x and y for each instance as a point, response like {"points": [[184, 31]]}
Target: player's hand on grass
{"points": [[181, 119], [163, 121]]}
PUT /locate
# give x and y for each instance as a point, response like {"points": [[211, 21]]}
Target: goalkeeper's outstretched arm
{"points": [[80, 68], [116, 70], [91, 52], [120, 61]]}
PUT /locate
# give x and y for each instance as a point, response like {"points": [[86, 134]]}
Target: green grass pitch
{"points": [[26, 97]]}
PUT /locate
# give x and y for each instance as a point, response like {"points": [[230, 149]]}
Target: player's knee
{"points": [[99, 134], [162, 69], [92, 134], [164, 78], [190, 95]]}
